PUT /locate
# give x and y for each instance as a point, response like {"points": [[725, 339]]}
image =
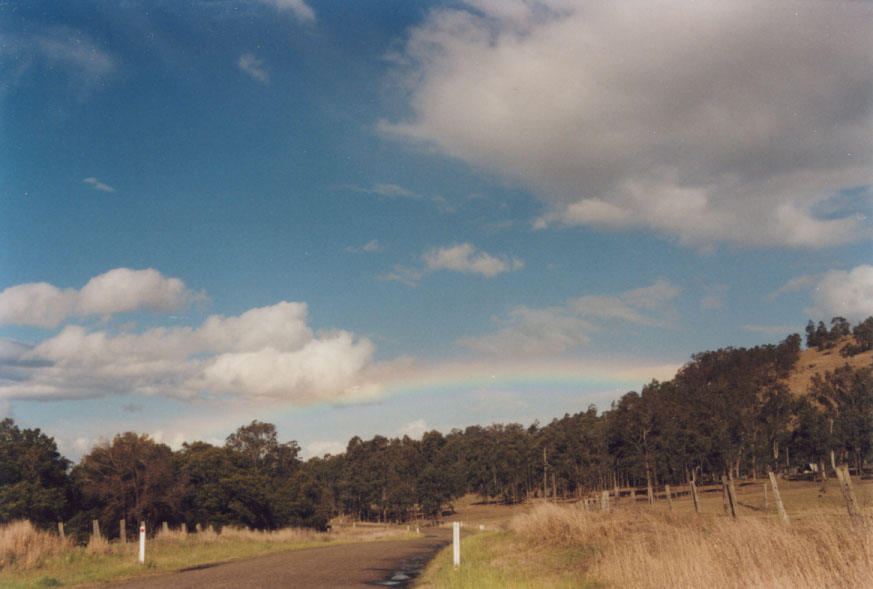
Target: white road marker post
{"points": [[142, 542], [456, 543]]}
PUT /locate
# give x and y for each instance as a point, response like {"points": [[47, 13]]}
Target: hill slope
{"points": [[813, 361]]}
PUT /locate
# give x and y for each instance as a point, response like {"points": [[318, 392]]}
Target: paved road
{"points": [[391, 564]]}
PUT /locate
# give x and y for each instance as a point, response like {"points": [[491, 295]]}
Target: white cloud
{"points": [[98, 185], [320, 448], [37, 303], [62, 49], [714, 299], [117, 291], [467, 259], [404, 274], [254, 67], [265, 353], [370, 247], [533, 332], [382, 189], [841, 293], [707, 122], [299, 8], [413, 429], [553, 330]]}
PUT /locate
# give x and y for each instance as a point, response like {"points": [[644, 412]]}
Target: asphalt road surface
{"points": [[386, 563]]}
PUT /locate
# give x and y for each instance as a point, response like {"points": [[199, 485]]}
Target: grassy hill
{"points": [[813, 361]]}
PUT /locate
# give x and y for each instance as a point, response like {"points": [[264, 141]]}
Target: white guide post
{"points": [[142, 542], [456, 543]]}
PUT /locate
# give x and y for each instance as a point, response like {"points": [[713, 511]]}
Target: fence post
{"points": [[95, 528], [766, 501], [142, 542], [848, 492], [165, 528], [778, 498], [456, 544], [61, 530], [695, 497], [604, 501], [122, 531], [669, 497], [184, 529], [730, 500]]}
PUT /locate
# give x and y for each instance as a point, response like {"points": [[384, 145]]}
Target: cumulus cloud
{"points": [[841, 293], [321, 448], [414, 429], [264, 353], [118, 291], [254, 67], [467, 259], [705, 122], [464, 258], [299, 8], [527, 331]]}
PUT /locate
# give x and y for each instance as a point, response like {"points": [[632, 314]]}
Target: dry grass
{"points": [[639, 547], [22, 546]]}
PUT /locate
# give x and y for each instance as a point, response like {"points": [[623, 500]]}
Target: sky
{"points": [[387, 217]]}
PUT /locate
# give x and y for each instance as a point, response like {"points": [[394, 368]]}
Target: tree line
{"points": [[726, 412]]}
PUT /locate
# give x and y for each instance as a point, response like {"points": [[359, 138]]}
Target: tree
{"points": [[847, 397], [130, 478], [33, 476], [259, 445]]}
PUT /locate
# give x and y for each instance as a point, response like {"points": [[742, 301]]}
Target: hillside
{"points": [[813, 361]]}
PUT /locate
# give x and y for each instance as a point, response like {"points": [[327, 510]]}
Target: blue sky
{"points": [[350, 218]]}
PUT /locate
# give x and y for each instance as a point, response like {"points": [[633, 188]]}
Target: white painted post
{"points": [[456, 543], [142, 542], [481, 527]]}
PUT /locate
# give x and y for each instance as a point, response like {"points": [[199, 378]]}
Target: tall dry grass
{"points": [[635, 547], [284, 535], [22, 546]]}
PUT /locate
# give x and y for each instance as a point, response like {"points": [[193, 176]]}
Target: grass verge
{"points": [[505, 560], [102, 562]]}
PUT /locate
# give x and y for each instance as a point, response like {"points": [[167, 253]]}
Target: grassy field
{"points": [[642, 545], [31, 558]]}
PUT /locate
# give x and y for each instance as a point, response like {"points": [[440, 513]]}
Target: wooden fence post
{"points": [[184, 529], [766, 502], [165, 528], [95, 528], [783, 515], [61, 530], [669, 497], [198, 528], [604, 501], [848, 492], [732, 496], [122, 531], [695, 497]]}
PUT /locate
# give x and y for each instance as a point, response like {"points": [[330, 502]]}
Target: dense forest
{"points": [[727, 411]]}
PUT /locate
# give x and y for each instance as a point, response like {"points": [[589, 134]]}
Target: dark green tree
{"points": [[33, 476]]}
